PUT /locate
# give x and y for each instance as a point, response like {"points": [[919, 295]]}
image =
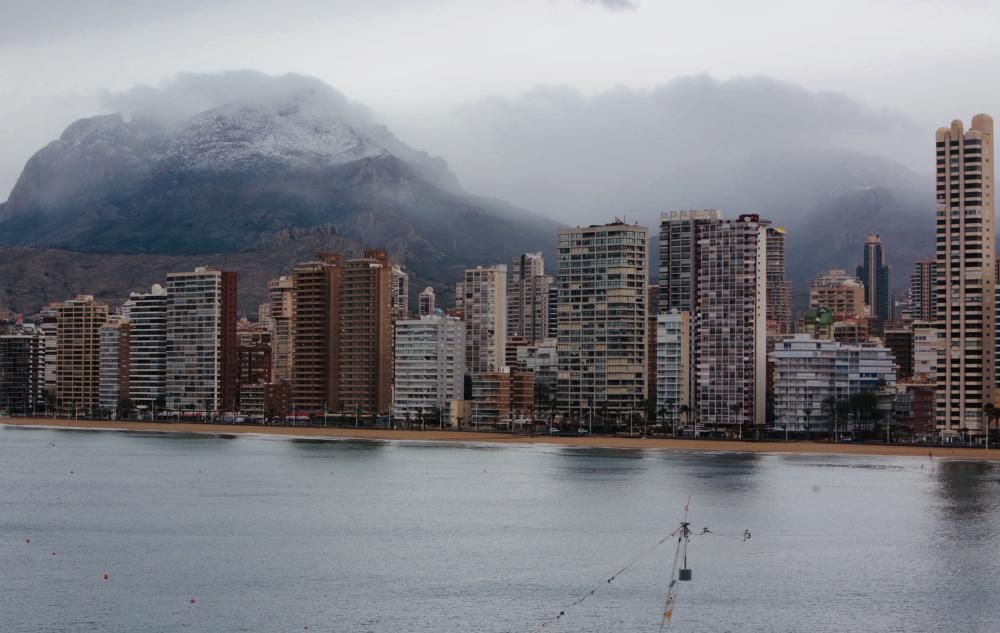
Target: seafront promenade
{"points": [[597, 441]]}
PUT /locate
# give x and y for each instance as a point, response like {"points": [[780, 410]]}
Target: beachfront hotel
{"points": [[965, 277], [603, 273]]}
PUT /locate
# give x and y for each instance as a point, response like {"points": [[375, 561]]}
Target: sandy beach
{"points": [[464, 436]]}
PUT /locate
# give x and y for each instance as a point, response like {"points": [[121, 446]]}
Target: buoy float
{"points": [[105, 575], [193, 601], [27, 540]]}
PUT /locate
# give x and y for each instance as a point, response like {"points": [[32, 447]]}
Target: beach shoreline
{"points": [[471, 437]]}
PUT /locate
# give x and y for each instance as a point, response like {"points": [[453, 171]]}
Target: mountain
{"points": [[242, 175]]}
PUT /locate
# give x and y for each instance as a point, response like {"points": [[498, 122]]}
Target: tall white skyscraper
{"points": [[147, 314], [965, 279], [201, 340]]}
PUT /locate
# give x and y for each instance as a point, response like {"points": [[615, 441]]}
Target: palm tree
{"points": [[685, 410], [830, 404], [992, 413], [735, 409]]}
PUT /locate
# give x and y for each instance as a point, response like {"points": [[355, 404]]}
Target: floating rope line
{"points": [[608, 581]]}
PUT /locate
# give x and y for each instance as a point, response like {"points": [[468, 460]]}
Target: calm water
{"points": [[275, 535]]}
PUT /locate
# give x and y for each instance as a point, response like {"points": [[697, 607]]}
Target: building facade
{"points": [[603, 273], [22, 372], [400, 292], [201, 359], [281, 315], [922, 294], [838, 292], [730, 326], [484, 301], [113, 389], [147, 315], [528, 299], [673, 363], [315, 333], [679, 258], [779, 289], [965, 284], [426, 302], [810, 373], [365, 324], [429, 365], [78, 353], [876, 278]]}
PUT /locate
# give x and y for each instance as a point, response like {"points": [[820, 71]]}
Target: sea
{"points": [[122, 532]]}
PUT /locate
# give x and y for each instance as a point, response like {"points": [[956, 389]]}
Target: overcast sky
{"points": [[420, 65]]}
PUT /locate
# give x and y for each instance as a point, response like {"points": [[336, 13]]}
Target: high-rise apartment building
{"points": [[201, 361], [779, 289], [281, 313], [730, 326], [928, 352], [426, 302], [315, 371], [528, 299], [603, 273], [838, 292], [78, 353], [49, 315], [22, 371], [400, 292], [365, 334], [679, 258], [429, 365], [965, 284], [484, 301], [922, 290], [147, 314], [875, 276], [673, 363], [113, 387], [553, 329]]}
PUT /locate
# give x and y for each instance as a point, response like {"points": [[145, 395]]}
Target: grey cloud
{"points": [[616, 5], [694, 141], [176, 100]]}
